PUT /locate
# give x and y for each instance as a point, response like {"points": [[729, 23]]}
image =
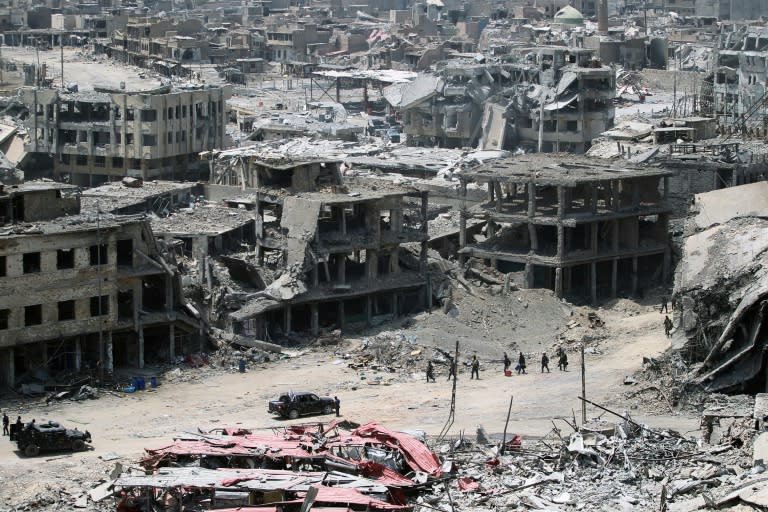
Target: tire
{"points": [[78, 445], [328, 409], [293, 414], [31, 450]]}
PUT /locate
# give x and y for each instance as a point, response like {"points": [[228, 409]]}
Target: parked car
{"points": [[393, 135], [50, 436], [292, 405]]}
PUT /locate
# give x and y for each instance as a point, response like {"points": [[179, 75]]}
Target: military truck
{"points": [[50, 436]]}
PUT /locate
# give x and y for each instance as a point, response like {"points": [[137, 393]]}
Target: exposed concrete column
{"points": [[395, 309], [316, 274], [593, 281], [491, 192], [559, 282], [531, 199], [314, 321], [171, 342], [499, 196], [561, 206], [140, 347], [342, 320], [593, 204], [78, 354], [560, 240], [287, 319], [341, 268], [593, 242], [462, 215], [614, 277], [168, 293], [394, 261], [634, 275], [342, 222], [372, 263], [529, 275], [109, 354]]}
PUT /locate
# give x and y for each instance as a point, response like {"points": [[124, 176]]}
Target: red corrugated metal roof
{"points": [[416, 454]]}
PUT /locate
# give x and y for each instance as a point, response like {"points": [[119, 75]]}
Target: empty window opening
{"points": [[125, 253], [100, 307], [33, 315], [65, 259], [2, 266], [98, 254], [66, 310], [31, 262], [5, 315]]}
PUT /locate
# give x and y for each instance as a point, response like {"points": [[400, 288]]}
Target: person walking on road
{"points": [[562, 361], [521, 364], [6, 422], [475, 369], [430, 372], [507, 362], [544, 362], [668, 327], [664, 307], [337, 403]]}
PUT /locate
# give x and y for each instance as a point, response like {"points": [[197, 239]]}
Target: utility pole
{"points": [[583, 388], [61, 44]]}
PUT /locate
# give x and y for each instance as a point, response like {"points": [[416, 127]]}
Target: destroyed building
{"points": [[83, 290], [552, 99], [102, 135], [721, 288], [329, 254], [576, 226]]}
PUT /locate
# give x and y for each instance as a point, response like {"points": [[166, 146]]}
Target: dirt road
{"points": [[127, 424]]}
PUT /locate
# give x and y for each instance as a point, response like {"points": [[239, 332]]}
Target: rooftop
{"points": [[558, 169], [114, 196]]}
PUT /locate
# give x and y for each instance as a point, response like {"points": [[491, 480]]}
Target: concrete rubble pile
{"points": [[626, 466], [721, 289]]}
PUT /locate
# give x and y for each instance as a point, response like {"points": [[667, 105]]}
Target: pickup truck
{"points": [[292, 405]]}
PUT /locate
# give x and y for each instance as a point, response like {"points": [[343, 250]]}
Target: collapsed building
{"points": [[721, 288], [580, 228], [97, 136], [83, 289], [552, 99], [327, 253]]}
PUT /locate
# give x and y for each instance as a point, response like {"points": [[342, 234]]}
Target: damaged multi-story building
{"points": [[327, 254], [83, 289], [551, 99], [103, 135], [579, 227]]}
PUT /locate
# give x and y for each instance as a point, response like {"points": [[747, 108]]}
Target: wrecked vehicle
{"points": [[292, 405], [50, 436]]}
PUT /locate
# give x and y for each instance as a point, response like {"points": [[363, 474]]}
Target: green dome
{"points": [[569, 16]]}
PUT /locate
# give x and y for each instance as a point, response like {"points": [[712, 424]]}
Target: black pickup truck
{"points": [[50, 436], [292, 405]]}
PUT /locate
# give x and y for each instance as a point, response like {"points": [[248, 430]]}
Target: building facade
{"points": [[100, 136]]}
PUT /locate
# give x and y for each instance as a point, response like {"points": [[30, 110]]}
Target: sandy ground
{"points": [[126, 424]]}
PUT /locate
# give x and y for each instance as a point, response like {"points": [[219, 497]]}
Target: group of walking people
{"points": [[562, 365]]}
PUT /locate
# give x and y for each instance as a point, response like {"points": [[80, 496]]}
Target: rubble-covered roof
{"points": [[555, 169], [206, 220], [114, 196], [70, 224]]}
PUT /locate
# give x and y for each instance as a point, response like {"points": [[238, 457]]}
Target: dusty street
{"points": [[126, 424]]}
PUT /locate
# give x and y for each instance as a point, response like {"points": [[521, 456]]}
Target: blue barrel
{"points": [[135, 383], [153, 382], [242, 366], [141, 383]]}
